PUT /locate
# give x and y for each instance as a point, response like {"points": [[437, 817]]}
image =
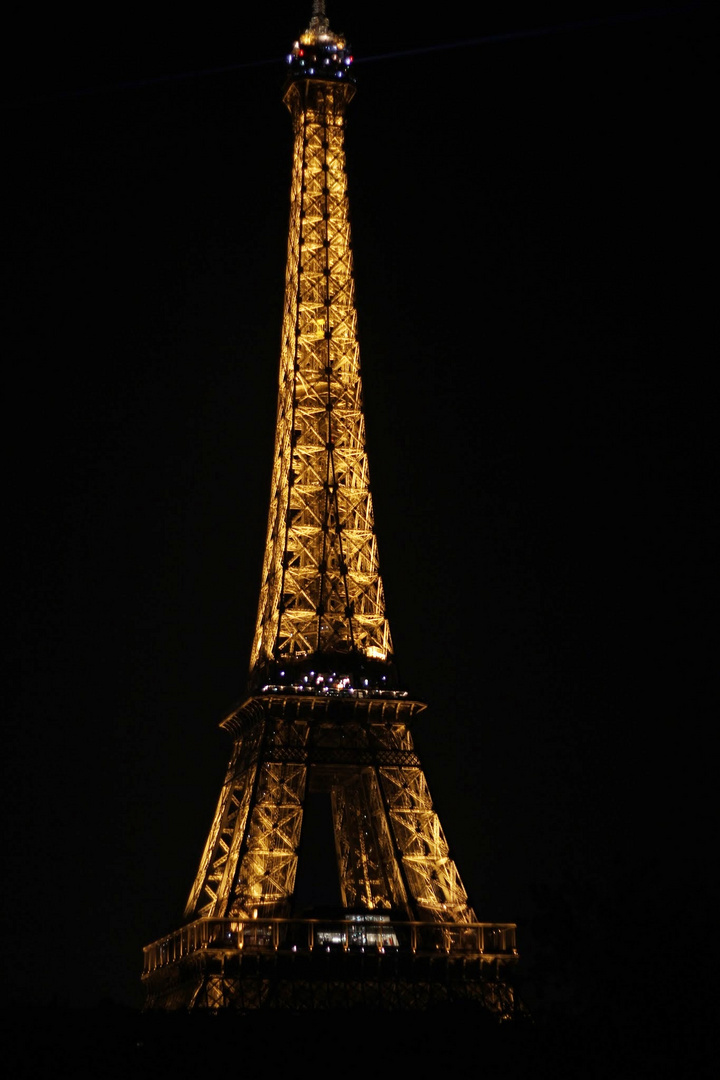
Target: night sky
{"points": [[531, 217]]}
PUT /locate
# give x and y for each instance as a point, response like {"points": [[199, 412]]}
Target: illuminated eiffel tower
{"points": [[325, 712]]}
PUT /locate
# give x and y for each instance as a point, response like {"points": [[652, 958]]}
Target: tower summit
{"points": [[325, 712]]}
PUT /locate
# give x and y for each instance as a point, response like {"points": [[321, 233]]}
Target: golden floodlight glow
{"points": [[325, 713], [321, 589], [322, 592]]}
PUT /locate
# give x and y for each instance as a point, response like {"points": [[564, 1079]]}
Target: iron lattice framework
{"points": [[325, 712], [321, 588]]}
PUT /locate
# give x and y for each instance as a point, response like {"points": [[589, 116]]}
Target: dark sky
{"points": [[530, 219]]}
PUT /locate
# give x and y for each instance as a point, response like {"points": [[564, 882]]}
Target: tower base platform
{"points": [[358, 964]]}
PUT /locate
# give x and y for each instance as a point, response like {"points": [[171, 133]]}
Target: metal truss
{"points": [[321, 588], [249, 863], [431, 874], [390, 847]]}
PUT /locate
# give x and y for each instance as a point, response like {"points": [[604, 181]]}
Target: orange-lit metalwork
{"points": [[321, 589], [325, 711]]}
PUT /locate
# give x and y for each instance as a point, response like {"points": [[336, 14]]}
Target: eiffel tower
{"points": [[325, 713]]}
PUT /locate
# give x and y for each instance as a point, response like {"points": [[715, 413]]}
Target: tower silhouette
{"points": [[325, 714]]}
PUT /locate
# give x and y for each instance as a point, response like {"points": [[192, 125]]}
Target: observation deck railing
{"points": [[355, 934]]}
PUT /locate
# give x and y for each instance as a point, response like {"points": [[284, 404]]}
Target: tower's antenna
{"points": [[319, 23]]}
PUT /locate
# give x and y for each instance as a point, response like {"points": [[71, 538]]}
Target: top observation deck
{"points": [[319, 52]]}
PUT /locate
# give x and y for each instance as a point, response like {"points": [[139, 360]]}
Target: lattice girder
{"points": [[250, 857], [432, 876], [208, 896], [369, 872], [321, 590], [265, 880]]}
